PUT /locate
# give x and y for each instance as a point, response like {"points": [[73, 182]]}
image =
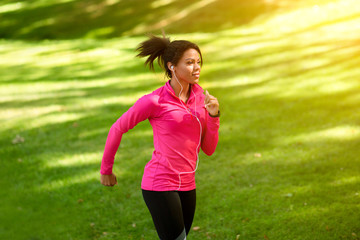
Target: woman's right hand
{"points": [[108, 180]]}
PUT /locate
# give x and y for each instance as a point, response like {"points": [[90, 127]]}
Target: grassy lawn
{"points": [[287, 164]]}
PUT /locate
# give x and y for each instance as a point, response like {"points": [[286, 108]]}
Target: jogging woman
{"points": [[184, 119]]}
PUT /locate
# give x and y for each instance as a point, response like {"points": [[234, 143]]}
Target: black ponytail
{"points": [[154, 47]]}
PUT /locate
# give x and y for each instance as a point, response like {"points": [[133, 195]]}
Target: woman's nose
{"points": [[197, 66]]}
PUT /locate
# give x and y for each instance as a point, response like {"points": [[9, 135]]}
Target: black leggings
{"points": [[172, 212]]}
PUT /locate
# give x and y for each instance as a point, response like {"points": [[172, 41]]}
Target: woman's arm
{"points": [[211, 133], [143, 109]]}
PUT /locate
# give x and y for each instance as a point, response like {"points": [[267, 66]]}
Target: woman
{"points": [[183, 121]]}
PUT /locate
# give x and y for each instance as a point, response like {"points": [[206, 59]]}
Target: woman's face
{"points": [[188, 67]]}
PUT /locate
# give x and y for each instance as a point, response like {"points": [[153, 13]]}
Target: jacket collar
{"points": [[195, 89]]}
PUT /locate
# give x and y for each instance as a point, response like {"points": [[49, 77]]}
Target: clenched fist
{"points": [[211, 104], [108, 180]]}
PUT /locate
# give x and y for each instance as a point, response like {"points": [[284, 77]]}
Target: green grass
{"points": [[68, 19], [287, 164]]}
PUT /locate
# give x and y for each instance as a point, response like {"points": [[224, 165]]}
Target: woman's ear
{"points": [[169, 65]]}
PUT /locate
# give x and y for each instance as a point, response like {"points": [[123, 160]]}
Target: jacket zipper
{"points": [[186, 106]]}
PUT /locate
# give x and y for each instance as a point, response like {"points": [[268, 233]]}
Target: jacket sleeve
{"points": [[143, 109], [211, 134]]}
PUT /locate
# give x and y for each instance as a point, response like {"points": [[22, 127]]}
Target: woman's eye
{"points": [[193, 62]]}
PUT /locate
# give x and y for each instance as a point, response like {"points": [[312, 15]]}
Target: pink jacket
{"points": [[176, 137]]}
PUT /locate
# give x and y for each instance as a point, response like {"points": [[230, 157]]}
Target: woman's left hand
{"points": [[211, 104]]}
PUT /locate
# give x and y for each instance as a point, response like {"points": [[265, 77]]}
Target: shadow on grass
{"points": [[295, 61], [82, 70], [67, 96], [104, 19], [297, 183], [50, 192], [254, 200], [304, 183]]}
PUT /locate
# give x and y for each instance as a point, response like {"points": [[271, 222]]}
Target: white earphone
{"points": [[197, 149]]}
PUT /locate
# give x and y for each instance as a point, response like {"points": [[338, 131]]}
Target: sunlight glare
{"points": [[11, 7], [302, 18], [70, 180], [161, 3], [74, 160], [340, 133], [346, 181]]}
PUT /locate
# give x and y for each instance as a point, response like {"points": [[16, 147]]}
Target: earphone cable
{"points": [[197, 149]]}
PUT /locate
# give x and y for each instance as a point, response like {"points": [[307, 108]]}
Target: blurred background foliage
{"points": [[68, 19]]}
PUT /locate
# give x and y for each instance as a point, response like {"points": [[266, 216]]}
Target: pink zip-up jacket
{"points": [[176, 137]]}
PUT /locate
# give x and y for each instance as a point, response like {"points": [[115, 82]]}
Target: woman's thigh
{"points": [[171, 211], [188, 203]]}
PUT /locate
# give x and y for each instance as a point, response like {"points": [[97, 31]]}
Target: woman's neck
{"points": [[185, 93]]}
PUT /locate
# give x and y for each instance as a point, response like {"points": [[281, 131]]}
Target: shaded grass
{"points": [[287, 162], [68, 19]]}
